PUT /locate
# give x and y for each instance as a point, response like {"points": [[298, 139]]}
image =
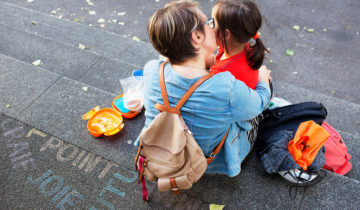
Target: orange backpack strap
{"points": [[162, 84], [217, 148], [166, 106], [191, 90]]}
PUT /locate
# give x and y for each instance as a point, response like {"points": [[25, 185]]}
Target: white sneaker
{"points": [[297, 176]]}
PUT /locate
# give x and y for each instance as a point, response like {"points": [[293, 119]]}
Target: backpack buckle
{"points": [[212, 155], [174, 187]]}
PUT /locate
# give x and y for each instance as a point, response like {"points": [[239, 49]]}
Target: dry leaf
{"points": [[296, 27], [89, 3], [37, 62], [135, 38], [55, 11], [81, 46], [101, 20], [289, 52], [310, 30], [216, 207]]}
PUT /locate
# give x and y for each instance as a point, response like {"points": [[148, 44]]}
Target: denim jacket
{"points": [[220, 103]]}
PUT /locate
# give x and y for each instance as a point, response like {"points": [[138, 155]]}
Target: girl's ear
{"points": [[197, 38], [227, 34]]}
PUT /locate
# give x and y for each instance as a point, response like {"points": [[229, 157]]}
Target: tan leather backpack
{"points": [[168, 153]]}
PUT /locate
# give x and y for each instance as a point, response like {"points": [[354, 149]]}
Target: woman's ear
{"points": [[197, 38]]}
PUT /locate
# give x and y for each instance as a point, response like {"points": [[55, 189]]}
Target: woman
{"points": [[182, 33]]}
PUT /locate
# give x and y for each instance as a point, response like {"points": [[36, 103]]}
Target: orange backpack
{"points": [[308, 140]]}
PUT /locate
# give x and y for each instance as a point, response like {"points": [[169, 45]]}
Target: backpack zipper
{"points": [[188, 130]]}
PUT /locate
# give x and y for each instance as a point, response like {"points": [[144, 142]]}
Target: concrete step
{"points": [[55, 105], [313, 63], [100, 41], [64, 59], [54, 170]]}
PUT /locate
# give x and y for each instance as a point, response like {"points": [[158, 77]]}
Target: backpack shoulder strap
{"points": [[162, 84], [217, 148], [166, 106], [191, 90]]}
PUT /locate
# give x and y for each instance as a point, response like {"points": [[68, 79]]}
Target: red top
{"points": [[237, 66]]}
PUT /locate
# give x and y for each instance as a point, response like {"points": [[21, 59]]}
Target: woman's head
{"points": [[177, 31], [241, 20]]}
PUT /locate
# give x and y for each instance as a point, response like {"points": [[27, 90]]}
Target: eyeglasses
{"points": [[210, 22]]}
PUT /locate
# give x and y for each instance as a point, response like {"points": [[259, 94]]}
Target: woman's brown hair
{"points": [[243, 19], [170, 30]]}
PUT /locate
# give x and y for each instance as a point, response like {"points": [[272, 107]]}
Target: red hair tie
{"points": [[256, 36]]}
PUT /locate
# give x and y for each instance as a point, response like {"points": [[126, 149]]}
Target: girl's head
{"points": [[178, 32], [239, 21]]}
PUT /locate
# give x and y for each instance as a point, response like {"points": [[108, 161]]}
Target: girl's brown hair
{"points": [[243, 19], [170, 30]]}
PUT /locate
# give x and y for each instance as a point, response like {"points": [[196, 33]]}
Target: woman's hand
{"points": [[264, 75]]}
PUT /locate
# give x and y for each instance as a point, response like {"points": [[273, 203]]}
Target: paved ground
{"points": [[325, 60], [50, 160]]}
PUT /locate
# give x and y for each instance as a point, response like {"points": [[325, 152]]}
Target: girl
{"points": [[236, 24]]}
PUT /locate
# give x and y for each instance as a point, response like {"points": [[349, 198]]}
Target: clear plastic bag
{"points": [[133, 93]]}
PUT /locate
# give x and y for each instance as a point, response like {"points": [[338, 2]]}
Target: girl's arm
{"points": [[246, 103]]}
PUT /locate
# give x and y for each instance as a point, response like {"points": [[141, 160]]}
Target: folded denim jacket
{"points": [[275, 157]]}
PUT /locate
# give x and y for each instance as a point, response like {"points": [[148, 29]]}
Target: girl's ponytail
{"points": [[256, 54], [243, 19]]}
